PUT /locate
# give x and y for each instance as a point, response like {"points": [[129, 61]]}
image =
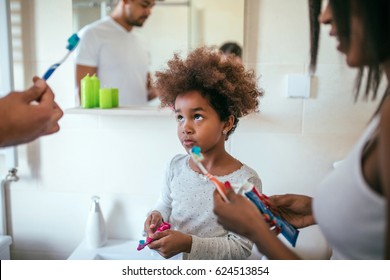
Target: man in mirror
{"points": [[112, 49]]}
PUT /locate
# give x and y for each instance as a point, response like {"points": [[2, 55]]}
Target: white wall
{"points": [[292, 143]]}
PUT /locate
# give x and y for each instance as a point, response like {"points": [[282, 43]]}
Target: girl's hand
{"points": [[169, 243], [152, 222]]}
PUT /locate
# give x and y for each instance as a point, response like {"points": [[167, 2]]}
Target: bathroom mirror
{"points": [[176, 25]]}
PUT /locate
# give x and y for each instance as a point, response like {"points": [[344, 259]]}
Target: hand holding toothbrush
{"points": [[29, 114], [162, 238], [276, 222], [169, 243], [162, 227], [240, 215], [244, 218], [152, 222]]}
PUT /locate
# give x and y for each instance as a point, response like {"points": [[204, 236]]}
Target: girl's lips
{"points": [[188, 142]]}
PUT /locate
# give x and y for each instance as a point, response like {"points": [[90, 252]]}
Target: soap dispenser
{"points": [[95, 233]]}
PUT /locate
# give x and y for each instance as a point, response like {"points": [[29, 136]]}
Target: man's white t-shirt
{"points": [[121, 57]]}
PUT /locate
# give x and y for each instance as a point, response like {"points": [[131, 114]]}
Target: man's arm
{"points": [[152, 91]]}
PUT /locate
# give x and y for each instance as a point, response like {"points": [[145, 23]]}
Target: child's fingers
{"points": [[152, 223], [147, 224], [160, 234], [155, 221], [230, 194]]}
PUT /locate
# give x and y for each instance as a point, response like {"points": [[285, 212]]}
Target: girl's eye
{"points": [[179, 118], [198, 117]]}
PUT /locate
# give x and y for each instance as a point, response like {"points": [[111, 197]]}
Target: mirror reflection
{"points": [[172, 26]]}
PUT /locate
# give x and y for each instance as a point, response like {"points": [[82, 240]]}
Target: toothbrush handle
{"points": [[49, 72], [220, 187], [54, 67]]}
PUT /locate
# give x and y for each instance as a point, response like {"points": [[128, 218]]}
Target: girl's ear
{"points": [[229, 124]]}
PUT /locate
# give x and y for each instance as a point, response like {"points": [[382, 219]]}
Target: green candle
{"points": [[87, 98], [115, 97], [95, 90], [105, 98]]}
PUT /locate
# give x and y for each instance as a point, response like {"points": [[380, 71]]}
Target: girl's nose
{"points": [[187, 128]]}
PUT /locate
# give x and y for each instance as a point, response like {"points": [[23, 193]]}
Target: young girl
{"points": [[352, 204], [208, 93]]}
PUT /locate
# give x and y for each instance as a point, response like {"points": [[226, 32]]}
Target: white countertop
{"points": [[116, 249]]}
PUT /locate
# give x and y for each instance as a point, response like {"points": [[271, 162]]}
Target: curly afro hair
{"points": [[223, 81]]}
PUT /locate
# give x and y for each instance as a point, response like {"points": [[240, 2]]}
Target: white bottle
{"points": [[95, 232]]}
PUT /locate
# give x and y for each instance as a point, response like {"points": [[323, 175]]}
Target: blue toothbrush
{"points": [[72, 43]]}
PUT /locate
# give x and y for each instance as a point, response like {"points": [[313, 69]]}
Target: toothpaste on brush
{"points": [[197, 158], [286, 229]]}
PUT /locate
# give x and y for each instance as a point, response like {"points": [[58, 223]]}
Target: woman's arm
{"points": [[384, 165], [242, 217]]}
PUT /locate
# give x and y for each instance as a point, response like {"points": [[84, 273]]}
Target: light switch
{"points": [[298, 85]]}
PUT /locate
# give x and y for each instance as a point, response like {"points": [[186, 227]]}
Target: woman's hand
{"points": [[295, 209], [239, 215]]}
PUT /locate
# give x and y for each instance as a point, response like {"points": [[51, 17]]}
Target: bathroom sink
{"points": [[116, 249]]}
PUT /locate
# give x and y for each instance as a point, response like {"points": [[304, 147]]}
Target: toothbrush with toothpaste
{"points": [[198, 157], [72, 43], [281, 225]]}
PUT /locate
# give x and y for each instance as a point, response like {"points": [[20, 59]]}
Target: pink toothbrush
{"points": [[142, 243]]}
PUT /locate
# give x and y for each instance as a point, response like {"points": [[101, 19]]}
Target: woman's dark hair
{"points": [[230, 89], [375, 18]]}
